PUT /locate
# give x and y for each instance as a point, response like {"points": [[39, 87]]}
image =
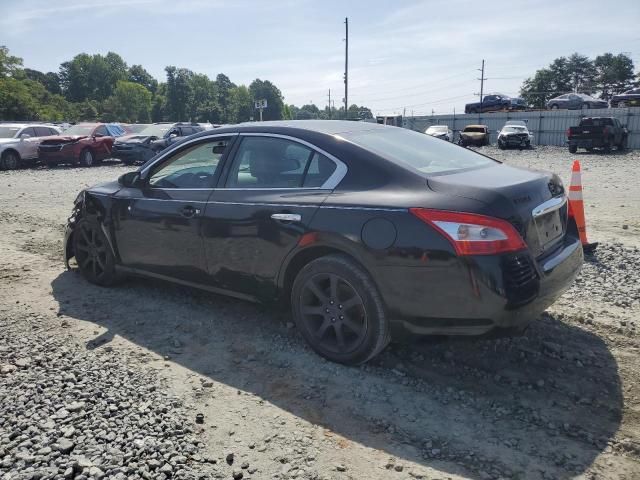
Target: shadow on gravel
{"points": [[538, 406]]}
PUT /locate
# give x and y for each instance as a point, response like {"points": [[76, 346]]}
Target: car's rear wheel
{"points": [[86, 158], [622, 146], [338, 310], [554, 106], [607, 148], [93, 254], [622, 104], [9, 161], [573, 148]]}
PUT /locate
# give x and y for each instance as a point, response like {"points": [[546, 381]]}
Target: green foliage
{"points": [[607, 74], [103, 87], [8, 63], [179, 93], [130, 103], [264, 89]]}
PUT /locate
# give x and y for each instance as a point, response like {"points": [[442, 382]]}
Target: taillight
{"points": [[569, 132], [473, 234]]}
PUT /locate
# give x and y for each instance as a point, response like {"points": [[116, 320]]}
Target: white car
{"points": [[19, 142], [440, 131]]}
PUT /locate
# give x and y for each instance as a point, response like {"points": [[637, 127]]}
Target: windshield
{"points": [[8, 132], [156, 130], [437, 128], [80, 130], [416, 150], [474, 130]]}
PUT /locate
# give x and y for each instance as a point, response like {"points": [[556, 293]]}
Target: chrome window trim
{"points": [[550, 205], [163, 156], [332, 182]]}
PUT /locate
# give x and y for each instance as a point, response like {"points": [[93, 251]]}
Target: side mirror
{"points": [[173, 135], [24, 136], [130, 180]]}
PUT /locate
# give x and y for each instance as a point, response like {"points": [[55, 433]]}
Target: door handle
{"points": [[189, 211], [287, 217]]}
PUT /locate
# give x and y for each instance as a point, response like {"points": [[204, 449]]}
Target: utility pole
{"points": [[346, 67], [482, 79], [330, 113]]}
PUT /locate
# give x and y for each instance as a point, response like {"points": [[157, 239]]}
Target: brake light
{"points": [[473, 234]]}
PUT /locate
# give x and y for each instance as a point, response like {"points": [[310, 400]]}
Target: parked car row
{"points": [[570, 101], [85, 144], [514, 134]]}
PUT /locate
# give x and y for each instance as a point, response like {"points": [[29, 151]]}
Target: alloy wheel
{"points": [[91, 251], [333, 312]]}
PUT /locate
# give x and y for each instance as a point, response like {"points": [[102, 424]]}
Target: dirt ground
{"points": [[563, 401]]}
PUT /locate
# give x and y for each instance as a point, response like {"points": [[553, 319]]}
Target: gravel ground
{"points": [[107, 383]]}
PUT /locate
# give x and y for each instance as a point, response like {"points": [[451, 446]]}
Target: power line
{"points": [[444, 87], [432, 80]]}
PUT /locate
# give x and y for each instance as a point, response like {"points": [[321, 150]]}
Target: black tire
{"points": [[501, 146], [621, 104], [473, 110], [93, 254], [607, 148], [622, 146], [555, 106], [10, 161], [589, 149], [87, 158], [339, 311], [573, 148], [128, 162]]}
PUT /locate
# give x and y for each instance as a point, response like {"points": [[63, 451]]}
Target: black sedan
{"points": [[630, 98], [369, 232]]}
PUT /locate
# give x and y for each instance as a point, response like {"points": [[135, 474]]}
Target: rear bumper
{"points": [[588, 142], [475, 295]]}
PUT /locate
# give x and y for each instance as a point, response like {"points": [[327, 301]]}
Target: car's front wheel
{"points": [[93, 254], [9, 161], [573, 148], [86, 158], [339, 311]]}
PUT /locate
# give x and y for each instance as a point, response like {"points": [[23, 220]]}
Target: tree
{"points": [[139, 75], [92, 76], [614, 73], [8, 63], [264, 89], [240, 105], [204, 105], [129, 103], [605, 75], [158, 109], [223, 87], [179, 93], [358, 113]]}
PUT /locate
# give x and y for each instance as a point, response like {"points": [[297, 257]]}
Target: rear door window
{"points": [[42, 131], [28, 131], [269, 162], [101, 130]]}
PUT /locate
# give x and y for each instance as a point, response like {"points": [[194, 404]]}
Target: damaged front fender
{"points": [[88, 206]]}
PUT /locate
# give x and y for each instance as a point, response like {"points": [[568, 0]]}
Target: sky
{"points": [[417, 57]]}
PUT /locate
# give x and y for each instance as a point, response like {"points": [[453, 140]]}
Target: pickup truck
{"points": [[492, 103], [597, 132]]}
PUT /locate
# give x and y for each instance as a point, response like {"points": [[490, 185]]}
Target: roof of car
{"points": [[330, 127], [22, 125]]}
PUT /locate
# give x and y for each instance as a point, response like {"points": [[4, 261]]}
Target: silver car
{"points": [[442, 132], [19, 142], [576, 101]]}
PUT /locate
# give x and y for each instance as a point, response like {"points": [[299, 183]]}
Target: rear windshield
{"points": [[417, 150], [474, 130], [596, 122]]}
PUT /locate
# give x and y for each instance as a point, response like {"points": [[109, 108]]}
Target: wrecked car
{"points": [[83, 144], [19, 142], [307, 214], [514, 136], [140, 147], [477, 135]]}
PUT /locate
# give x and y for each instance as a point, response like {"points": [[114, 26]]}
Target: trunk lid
{"points": [[512, 194]]}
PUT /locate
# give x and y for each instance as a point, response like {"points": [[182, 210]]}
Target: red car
{"points": [[83, 144]]}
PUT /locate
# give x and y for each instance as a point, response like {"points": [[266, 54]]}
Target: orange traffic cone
{"points": [[576, 207]]}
